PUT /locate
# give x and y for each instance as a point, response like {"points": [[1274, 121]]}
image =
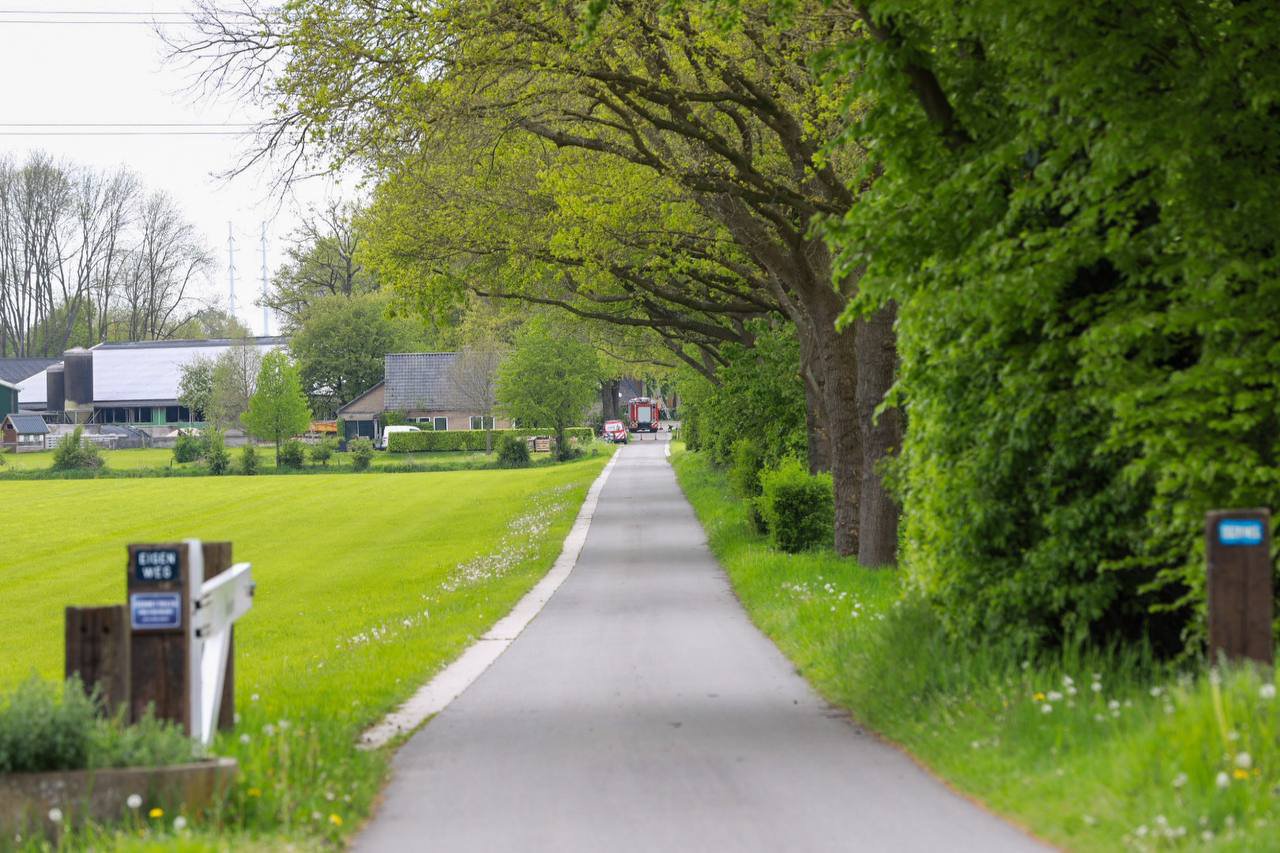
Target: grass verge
{"points": [[367, 586], [1091, 750]]}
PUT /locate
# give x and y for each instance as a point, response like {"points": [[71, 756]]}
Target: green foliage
{"points": [[278, 408], [396, 419], [361, 450], [798, 507], [195, 388], [468, 439], [215, 453], [292, 454], [321, 453], [249, 460], [513, 452], [744, 477], [47, 726], [186, 448], [76, 453], [548, 380]]}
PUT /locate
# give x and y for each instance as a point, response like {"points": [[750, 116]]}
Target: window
{"points": [[481, 422], [441, 424]]}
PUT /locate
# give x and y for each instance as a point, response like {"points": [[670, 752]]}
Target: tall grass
{"points": [[1092, 749]]}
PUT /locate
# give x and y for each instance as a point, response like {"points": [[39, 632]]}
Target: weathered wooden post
{"points": [[97, 650], [160, 580], [1238, 548]]}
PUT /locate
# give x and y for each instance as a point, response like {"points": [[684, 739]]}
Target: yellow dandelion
{"points": [[1241, 773], [255, 792], [156, 812], [336, 820], [1038, 697]]}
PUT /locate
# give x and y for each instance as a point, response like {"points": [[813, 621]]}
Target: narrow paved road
{"points": [[641, 710]]}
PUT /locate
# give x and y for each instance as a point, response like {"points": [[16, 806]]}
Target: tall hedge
{"points": [[419, 442]]}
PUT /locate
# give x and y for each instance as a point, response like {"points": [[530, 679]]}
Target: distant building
{"points": [[23, 433], [123, 383], [15, 370], [423, 387], [8, 398]]}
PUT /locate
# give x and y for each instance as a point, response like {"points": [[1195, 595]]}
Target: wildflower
{"points": [[1223, 780], [1114, 705], [1141, 831], [55, 814], [336, 820], [1244, 760], [255, 792], [156, 812], [284, 725], [179, 823], [1156, 691], [1046, 708], [254, 697], [134, 801], [1067, 681], [1267, 691], [1037, 697], [1240, 773], [1207, 835], [244, 738], [268, 730], [1055, 696], [1026, 664], [1096, 687], [1089, 820], [1179, 780]]}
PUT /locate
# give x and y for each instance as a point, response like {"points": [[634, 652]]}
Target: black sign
{"points": [[157, 565]]}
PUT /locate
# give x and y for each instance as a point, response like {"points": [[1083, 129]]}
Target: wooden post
{"points": [[1238, 548], [159, 607], [217, 559], [97, 650]]}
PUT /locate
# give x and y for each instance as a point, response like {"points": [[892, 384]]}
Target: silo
{"points": [[55, 388], [78, 371]]}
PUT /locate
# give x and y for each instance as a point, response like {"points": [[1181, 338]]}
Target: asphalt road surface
{"points": [[642, 711]]}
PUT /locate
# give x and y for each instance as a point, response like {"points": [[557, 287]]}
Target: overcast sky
{"points": [[97, 64]]}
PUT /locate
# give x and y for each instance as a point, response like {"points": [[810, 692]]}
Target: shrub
{"points": [[322, 452], [45, 726], [466, 439], [513, 452], [746, 462], [186, 449], [248, 460], [361, 453], [75, 453], [798, 507], [292, 454], [216, 456]]}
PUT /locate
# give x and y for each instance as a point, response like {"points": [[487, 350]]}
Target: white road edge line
{"points": [[434, 696]]}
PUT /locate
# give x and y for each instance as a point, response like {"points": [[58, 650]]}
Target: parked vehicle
{"points": [[614, 431], [386, 434], [643, 414]]}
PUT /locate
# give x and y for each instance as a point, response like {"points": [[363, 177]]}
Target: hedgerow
{"points": [[474, 439]]}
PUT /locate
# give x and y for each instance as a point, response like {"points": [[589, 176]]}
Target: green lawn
{"points": [[1091, 750], [366, 586], [153, 458]]}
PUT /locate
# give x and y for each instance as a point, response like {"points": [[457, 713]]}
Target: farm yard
{"points": [[366, 586]]}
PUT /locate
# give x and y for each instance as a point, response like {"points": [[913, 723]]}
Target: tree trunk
{"points": [[818, 442], [881, 437]]}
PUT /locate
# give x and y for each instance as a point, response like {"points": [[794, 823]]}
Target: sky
{"points": [[100, 64]]}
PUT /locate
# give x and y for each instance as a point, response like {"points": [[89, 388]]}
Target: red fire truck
{"points": [[643, 414]]}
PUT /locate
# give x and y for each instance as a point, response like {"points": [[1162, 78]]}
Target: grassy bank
{"points": [[366, 587], [1091, 751]]}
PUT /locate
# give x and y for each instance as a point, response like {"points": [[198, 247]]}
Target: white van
{"points": [[386, 434]]}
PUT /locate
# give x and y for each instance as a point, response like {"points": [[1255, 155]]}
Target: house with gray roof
{"points": [[15, 370], [23, 433]]}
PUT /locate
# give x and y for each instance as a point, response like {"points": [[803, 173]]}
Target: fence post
{"points": [[1239, 578], [217, 559], [160, 582], [97, 650]]}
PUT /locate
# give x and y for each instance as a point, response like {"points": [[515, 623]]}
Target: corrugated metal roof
{"points": [[29, 424], [141, 374], [18, 369], [421, 381]]}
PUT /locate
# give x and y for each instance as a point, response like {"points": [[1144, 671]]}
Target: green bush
{"points": [[513, 452], [75, 453], [322, 452], [186, 449], [292, 454], [45, 726], [465, 439], [798, 507], [361, 450], [248, 460], [744, 478], [215, 453]]}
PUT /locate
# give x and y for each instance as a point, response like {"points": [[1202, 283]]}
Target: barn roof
{"points": [[421, 381], [17, 369], [28, 424]]}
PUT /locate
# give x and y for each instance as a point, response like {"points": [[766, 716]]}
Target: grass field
{"points": [[161, 459], [1092, 751], [366, 586]]}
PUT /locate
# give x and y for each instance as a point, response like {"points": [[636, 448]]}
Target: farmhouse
{"points": [[23, 433], [428, 388], [123, 383]]}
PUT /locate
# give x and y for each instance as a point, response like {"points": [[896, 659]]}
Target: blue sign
{"points": [[1240, 531], [156, 565], [155, 611]]}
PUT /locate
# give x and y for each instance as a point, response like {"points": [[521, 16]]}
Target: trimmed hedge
{"points": [[467, 439]]}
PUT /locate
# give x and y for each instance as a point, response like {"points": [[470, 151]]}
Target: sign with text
{"points": [[157, 565], [155, 611], [1237, 532], [1239, 587]]}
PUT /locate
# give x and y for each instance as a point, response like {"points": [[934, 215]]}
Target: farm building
{"points": [[8, 398], [23, 433], [123, 383], [433, 388]]}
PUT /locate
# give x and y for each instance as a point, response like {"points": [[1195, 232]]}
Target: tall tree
{"points": [[323, 261], [548, 380], [278, 408]]}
